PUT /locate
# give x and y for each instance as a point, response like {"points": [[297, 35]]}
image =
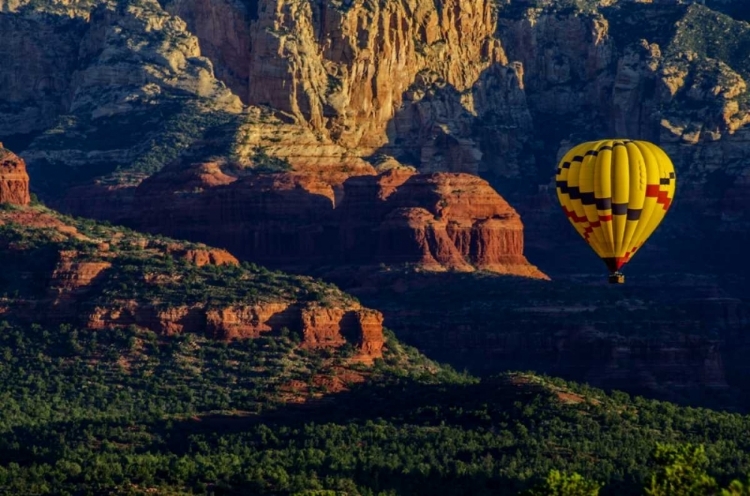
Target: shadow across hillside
{"points": [[678, 338], [500, 435]]}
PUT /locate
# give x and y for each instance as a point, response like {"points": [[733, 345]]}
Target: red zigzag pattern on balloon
{"points": [[662, 197]]}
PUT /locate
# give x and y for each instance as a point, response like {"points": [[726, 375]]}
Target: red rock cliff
{"points": [[438, 221], [441, 221], [14, 181]]}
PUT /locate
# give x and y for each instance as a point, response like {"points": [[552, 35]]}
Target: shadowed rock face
{"points": [[223, 28], [667, 72], [14, 181], [438, 221]]}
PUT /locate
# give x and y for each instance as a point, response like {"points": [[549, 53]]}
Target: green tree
{"points": [[681, 471], [737, 488], [561, 484]]}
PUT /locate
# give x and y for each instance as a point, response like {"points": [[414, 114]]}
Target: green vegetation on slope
{"points": [[143, 267], [123, 411], [714, 35], [126, 411], [137, 143]]}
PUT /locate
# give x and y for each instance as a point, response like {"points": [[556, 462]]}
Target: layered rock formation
{"points": [[14, 181], [57, 270], [319, 327], [204, 256], [436, 85], [412, 78], [437, 221], [454, 221], [344, 68]]}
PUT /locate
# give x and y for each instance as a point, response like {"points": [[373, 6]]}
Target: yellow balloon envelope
{"points": [[615, 193]]}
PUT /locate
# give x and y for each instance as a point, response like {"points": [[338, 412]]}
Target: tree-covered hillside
{"points": [[126, 412]]}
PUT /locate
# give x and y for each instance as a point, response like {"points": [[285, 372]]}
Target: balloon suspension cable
{"points": [[617, 278]]}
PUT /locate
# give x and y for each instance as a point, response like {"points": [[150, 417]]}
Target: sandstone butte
{"points": [[439, 221], [76, 279]]}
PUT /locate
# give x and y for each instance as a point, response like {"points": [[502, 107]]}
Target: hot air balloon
{"points": [[615, 193]]}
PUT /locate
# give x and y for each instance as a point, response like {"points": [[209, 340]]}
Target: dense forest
{"points": [[125, 411]]}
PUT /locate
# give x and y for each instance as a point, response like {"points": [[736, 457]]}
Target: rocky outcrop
{"points": [[566, 58], [71, 273], [168, 60], [14, 181], [250, 321], [103, 87], [204, 256], [318, 327], [654, 72], [116, 278], [274, 141], [368, 327], [437, 221], [344, 68]]}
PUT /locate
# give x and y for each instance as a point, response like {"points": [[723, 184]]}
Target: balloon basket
{"points": [[617, 278]]}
